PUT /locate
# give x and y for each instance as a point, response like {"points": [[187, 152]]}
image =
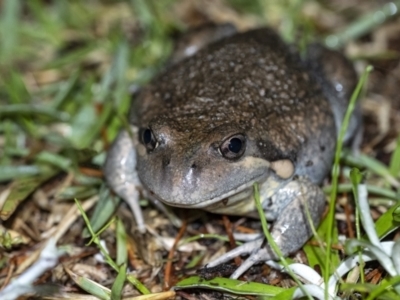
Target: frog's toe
{"points": [[133, 202], [259, 255], [246, 248], [253, 248]]}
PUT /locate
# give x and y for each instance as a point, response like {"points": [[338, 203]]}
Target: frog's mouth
{"points": [[230, 198], [204, 188]]}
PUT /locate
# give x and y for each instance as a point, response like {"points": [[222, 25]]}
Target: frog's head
{"points": [[199, 167]]}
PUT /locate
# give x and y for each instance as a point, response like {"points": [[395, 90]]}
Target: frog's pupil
{"points": [[147, 136], [235, 145]]}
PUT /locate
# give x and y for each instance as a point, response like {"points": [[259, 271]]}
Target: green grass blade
{"points": [[356, 178], [317, 256], [374, 190], [104, 209], [363, 25], [10, 17], [387, 222], [335, 172], [116, 290], [122, 251], [233, 286], [18, 110], [372, 164], [20, 189], [394, 166], [57, 160], [272, 242], [88, 285], [65, 90]]}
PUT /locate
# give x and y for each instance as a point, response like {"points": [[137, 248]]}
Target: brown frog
{"points": [[243, 110]]}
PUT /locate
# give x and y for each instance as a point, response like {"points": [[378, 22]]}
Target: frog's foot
{"points": [[253, 248], [290, 230], [120, 172]]}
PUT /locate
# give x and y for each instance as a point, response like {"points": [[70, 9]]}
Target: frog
{"points": [[245, 109]]}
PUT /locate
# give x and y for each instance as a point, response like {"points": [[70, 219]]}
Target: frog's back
{"points": [[252, 69]]}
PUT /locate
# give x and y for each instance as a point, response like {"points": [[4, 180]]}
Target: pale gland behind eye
{"points": [[284, 168]]}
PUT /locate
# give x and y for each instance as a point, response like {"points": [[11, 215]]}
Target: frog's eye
{"points": [[148, 139], [233, 147]]}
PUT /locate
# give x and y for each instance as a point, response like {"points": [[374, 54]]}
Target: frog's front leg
{"points": [[291, 228], [121, 175]]}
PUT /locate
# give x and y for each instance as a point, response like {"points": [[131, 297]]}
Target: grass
{"points": [[65, 69]]}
